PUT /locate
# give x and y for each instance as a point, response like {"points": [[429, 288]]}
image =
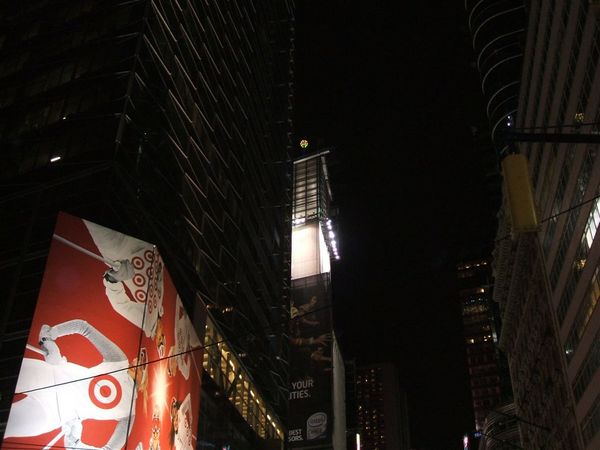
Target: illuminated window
{"points": [[592, 224], [229, 374]]}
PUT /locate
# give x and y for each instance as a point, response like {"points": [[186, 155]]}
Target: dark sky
{"points": [[391, 86]]}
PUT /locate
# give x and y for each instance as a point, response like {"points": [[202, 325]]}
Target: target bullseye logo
{"points": [[149, 255], [140, 296], [137, 262], [139, 279], [105, 391]]}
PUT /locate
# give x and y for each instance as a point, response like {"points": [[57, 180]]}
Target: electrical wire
{"points": [[158, 360], [21, 445], [202, 347], [136, 366], [554, 216], [16, 445], [571, 208], [553, 127]]}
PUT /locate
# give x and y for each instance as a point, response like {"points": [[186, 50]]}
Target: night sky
{"points": [[392, 86]]}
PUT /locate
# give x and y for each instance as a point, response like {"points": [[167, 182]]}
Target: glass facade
{"points": [[312, 201], [234, 380], [166, 120], [497, 29], [311, 190]]}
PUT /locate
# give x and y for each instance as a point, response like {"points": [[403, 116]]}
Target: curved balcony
{"points": [[501, 428], [497, 30]]}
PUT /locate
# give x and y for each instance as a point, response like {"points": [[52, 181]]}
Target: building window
{"points": [[590, 300], [591, 422], [588, 369]]}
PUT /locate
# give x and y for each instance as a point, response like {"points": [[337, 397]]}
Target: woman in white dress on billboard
{"points": [[62, 394]]}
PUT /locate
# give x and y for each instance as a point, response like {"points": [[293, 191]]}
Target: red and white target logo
{"points": [[140, 295], [153, 303], [149, 255], [105, 391], [137, 262], [139, 279]]}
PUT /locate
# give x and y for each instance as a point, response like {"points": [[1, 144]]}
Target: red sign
{"points": [[112, 358]]}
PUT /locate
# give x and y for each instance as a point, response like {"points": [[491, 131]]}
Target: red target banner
{"points": [[96, 363]]}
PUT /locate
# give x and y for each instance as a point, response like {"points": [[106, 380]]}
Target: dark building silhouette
{"points": [[169, 121], [351, 404], [489, 379], [480, 327], [382, 408]]}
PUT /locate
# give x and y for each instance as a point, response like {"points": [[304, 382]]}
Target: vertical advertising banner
{"points": [[310, 400], [112, 359]]}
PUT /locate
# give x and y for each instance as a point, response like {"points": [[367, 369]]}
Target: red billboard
{"points": [[112, 359]]}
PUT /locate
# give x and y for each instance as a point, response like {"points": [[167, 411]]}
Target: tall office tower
{"points": [[489, 383], [382, 408], [491, 389], [169, 121], [547, 281], [317, 410], [351, 405], [497, 30]]}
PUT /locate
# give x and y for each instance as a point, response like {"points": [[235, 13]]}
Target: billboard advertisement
{"points": [[310, 398], [112, 360]]}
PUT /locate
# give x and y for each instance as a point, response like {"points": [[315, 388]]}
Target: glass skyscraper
{"points": [[169, 121]]}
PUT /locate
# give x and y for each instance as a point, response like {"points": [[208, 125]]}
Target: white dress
{"points": [[184, 436], [57, 394], [138, 299], [185, 339]]}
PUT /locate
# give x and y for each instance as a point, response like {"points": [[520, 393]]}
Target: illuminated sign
{"points": [[112, 360], [309, 251], [310, 418]]}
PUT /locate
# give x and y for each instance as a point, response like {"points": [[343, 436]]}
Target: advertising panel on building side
{"points": [[310, 398], [112, 360]]}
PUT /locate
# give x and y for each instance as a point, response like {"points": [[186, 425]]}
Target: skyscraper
{"points": [[317, 413], [547, 280], [382, 408], [169, 121], [481, 337], [491, 388]]}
